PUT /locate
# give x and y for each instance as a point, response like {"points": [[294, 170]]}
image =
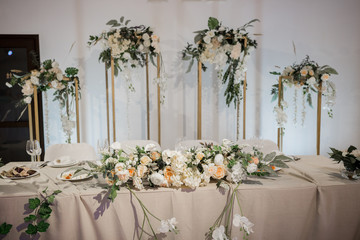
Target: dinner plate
{"points": [[69, 164], [18, 178], [81, 177]]}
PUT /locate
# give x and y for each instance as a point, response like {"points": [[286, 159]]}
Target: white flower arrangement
{"points": [[50, 76], [306, 76], [128, 46], [222, 46], [227, 163]]}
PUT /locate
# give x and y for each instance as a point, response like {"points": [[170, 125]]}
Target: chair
{"points": [[76, 151], [264, 145], [187, 144], [129, 145]]}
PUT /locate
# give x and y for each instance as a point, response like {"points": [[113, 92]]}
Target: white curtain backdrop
{"points": [[327, 30]]}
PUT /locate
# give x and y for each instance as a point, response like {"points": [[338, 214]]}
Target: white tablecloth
{"points": [[307, 201]]}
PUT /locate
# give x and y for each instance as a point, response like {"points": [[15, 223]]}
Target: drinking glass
{"points": [[102, 146], [33, 149]]}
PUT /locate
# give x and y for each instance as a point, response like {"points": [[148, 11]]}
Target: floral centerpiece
{"points": [[227, 163], [223, 46], [306, 77], [350, 158], [49, 76], [128, 46]]}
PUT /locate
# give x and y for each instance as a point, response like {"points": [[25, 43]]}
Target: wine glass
{"points": [[33, 149], [30, 149], [102, 146]]}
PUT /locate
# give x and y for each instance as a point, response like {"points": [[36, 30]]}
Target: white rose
{"points": [[27, 100], [55, 64], [222, 28], [157, 178], [27, 89], [219, 159], [34, 80], [54, 83], [116, 145], [207, 39], [311, 81], [8, 85], [220, 38], [126, 55], [123, 176], [211, 33], [150, 147], [252, 167], [147, 43], [344, 153], [59, 76], [145, 36]]}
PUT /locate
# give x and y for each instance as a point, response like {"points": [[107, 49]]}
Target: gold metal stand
{"points": [[107, 104], [318, 125], [31, 132], [36, 113], [199, 102], [147, 96], [77, 109], [244, 97], [113, 97], [280, 130], [159, 100]]}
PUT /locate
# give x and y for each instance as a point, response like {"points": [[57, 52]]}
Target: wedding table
{"points": [[309, 200]]}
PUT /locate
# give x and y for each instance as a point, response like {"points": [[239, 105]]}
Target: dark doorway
{"points": [[16, 52]]}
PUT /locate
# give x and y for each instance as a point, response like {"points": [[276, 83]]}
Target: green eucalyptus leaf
{"points": [[122, 19], [190, 65], [113, 193], [198, 38], [56, 192], [127, 22], [275, 73], [283, 158], [213, 23], [51, 198], [111, 22], [278, 163], [269, 157]]}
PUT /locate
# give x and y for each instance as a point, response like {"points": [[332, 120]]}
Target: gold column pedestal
{"points": [[113, 97], [77, 109], [36, 113], [147, 96], [159, 100], [107, 104], [318, 125], [199, 102]]}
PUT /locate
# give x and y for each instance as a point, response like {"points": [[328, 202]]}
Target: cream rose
{"points": [[145, 160]]}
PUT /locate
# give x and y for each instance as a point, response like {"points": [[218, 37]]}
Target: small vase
{"points": [[351, 175]]}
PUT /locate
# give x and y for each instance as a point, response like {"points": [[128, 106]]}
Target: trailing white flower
{"points": [[243, 222], [219, 233], [168, 225]]}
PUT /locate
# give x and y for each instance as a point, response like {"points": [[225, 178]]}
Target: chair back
{"points": [[76, 151]]}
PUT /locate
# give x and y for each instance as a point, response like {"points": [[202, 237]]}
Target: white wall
{"points": [[327, 30]]}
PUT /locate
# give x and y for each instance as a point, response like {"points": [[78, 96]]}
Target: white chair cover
{"points": [[187, 144], [129, 145], [264, 145], [76, 151]]}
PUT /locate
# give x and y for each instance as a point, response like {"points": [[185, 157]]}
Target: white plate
{"points": [[85, 176], [18, 178], [277, 169], [52, 164]]}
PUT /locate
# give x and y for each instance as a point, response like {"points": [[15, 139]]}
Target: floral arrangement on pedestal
{"points": [[227, 163], [128, 46], [350, 158], [306, 77], [223, 46], [50, 76]]}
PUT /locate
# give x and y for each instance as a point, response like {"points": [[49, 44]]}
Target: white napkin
{"points": [[62, 160]]}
